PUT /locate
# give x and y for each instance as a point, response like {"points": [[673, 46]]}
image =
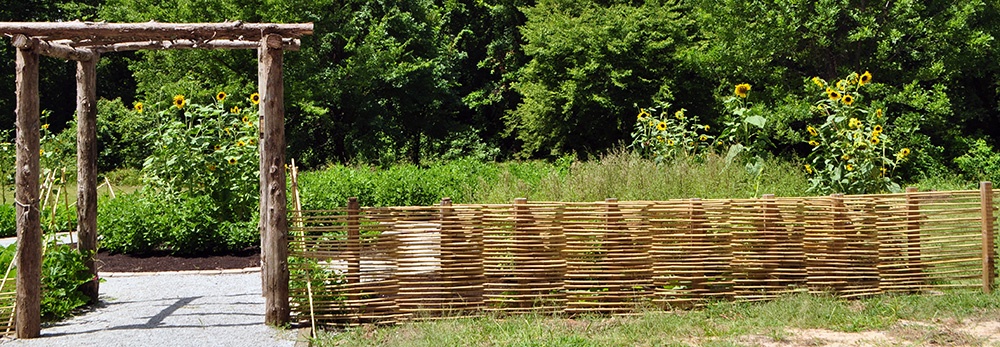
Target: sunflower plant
{"points": [[661, 135], [852, 150], [209, 150]]}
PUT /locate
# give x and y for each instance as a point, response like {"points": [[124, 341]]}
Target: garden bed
{"points": [[163, 261]]}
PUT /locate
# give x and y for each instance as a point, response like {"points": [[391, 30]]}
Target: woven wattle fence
{"points": [[368, 265]]}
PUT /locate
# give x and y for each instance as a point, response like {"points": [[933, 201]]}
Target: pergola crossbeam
{"points": [[57, 50], [287, 44], [77, 30]]}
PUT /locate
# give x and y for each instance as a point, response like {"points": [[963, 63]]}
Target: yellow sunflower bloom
{"points": [[255, 98], [742, 90], [809, 169], [234, 110], [833, 94], [877, 129], [138, 107], [812, 131], [850, 167], [179, 101], [707, 127], [878, 113], [904, 151], [670, 142], [845, 157], [658, 137], [642, 114], [818, 81], [679, 114], [662, 126], [841, 84], [813, 143], [865, 78], [218, 148], [703, 138], [883, 172], [240, 144], [45, 126], [232, 160], [847, 99], [221, 96], [228, 133], [875, 140]]}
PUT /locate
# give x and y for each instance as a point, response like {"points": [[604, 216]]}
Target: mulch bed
{"points": [[163, 261]]}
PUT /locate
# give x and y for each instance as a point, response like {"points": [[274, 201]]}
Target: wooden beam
{"points": [[77, 30], [28, 219], [64, 51], [287, 44], [86, 169], [273, 202]]}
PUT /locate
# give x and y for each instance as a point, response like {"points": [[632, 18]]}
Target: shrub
{"points": [[980, 163], [7, 222], [63, 271]]}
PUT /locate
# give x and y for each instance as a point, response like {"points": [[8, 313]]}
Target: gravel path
{"points": [[170, 309]]}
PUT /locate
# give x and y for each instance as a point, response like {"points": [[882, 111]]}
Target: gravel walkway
{"points": [[170, 309]]}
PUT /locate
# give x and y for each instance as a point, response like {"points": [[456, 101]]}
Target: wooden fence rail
{"points": [[366, 264]]}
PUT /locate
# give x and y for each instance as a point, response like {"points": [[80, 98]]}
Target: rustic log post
{"points": [[986, 194], [29, 223], [273, 216], [86, 169], [353, 241]]}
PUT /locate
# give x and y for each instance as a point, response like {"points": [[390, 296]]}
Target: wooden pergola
{"points": [[84, 42]]}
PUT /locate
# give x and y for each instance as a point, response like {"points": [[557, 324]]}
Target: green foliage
{"points": [[207, 150], [852, 150], [589, 64], [980, 163], [145, 222], [663, 137], [8, 225], [63, 271]]}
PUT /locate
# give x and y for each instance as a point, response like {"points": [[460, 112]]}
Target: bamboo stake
{"points": [[55, 204], [47, 187], [312, 313], [109, 187], [298, 200], [986, 192]]}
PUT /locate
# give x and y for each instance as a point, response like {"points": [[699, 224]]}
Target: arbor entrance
{"points": [[84, 42]]}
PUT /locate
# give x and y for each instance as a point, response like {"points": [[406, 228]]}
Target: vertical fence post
{"points": [[273, 202], [353, 241], [986, 195], [86, 171], [29, 223], [913, 232]]}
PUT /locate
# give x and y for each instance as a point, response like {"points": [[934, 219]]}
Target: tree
{"points": [[591, 67]]}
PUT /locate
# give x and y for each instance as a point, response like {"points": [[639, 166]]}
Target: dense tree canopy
{"points": [[402, 80]]}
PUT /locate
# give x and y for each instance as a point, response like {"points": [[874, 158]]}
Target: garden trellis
{"points": [[84, 42]]}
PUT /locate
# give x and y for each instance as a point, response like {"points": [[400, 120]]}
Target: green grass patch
{"points": [[720, 324]]}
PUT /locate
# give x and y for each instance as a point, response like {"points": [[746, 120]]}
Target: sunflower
{"points": [[41, 151], [240, 144], [742, 90], [662, 126], [232, 160], [227, 132], [218, 148], [875, 140], [865, 78], [642, 114], [850, 167], [818, 82], [246, 119], [813, 143], [221, 96], [138, 107], [877, 129], [904, 152], [179, 101], [670, 142], [878, 113], [211, 167], [848, 99], [842, 84], [883, 171], [235, 109], [250, 142], [45, 126], [854, 123], [707, 127], [658, 137], [845, 157], [809, 169], [703, 138], [833, 94], [255, 98], [812, 131]]}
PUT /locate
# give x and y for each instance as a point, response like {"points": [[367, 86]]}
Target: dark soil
{"points": [[163, 261]]}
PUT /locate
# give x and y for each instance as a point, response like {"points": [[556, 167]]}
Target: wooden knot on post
{"points": [[273, 41], [24, 42]]}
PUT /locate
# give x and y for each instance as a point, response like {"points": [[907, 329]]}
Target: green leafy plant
{"points": [[207, 150], [851, 150], [664, 136], [63, 271], [980, 163]]}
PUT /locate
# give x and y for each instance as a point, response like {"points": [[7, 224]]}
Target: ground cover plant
{"points": [[887, 319]]}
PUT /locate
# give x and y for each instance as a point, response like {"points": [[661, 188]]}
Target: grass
{"points": [[720, 324]]}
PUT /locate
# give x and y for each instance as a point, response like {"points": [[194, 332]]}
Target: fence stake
{"points": [[986, 194], [913, 232], [353, 242]]}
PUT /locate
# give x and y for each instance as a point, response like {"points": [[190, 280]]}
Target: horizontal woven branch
{"points": [[396, 263]]}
